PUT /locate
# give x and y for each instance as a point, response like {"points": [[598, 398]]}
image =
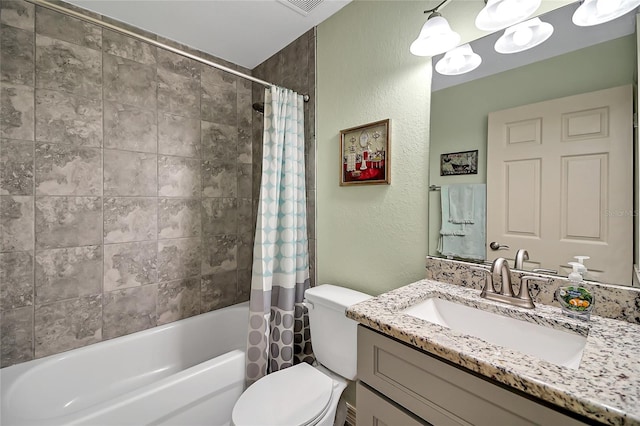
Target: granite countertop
{"points": [[606, 387]]}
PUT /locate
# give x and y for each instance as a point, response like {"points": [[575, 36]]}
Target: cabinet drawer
{"points": [[374, 410], [440, 393]]}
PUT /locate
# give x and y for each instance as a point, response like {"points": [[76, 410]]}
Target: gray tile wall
{"points": [[294, 67], [125, 184]]}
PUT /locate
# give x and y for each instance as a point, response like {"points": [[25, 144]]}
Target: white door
{"points": [[559, 182]]}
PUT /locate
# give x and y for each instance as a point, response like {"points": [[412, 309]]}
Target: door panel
{"points": [[522, 180], [584, 183]]}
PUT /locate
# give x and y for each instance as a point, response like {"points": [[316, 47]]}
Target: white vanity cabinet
{"points": [[399, 385]]}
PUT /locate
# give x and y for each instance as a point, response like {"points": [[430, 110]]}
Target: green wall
{"points": [[459, 113], [372, 238]]}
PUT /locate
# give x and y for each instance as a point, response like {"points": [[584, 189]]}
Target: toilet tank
{"points": [[333, 335]]}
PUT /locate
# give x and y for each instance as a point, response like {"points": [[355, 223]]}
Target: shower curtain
{"points": [[278, 327]]}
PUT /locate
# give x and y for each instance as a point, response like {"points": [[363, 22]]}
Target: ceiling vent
{"points": [[303, 7]]}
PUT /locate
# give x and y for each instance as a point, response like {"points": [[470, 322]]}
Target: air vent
{"points": [[303, 7]]}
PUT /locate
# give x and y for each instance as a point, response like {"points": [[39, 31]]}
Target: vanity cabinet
{"points": [[400, 385]]}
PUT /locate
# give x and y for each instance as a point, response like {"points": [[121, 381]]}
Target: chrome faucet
{"points": [[521, 256], [500, 268]]}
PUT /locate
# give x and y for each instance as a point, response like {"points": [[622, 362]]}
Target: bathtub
{"points": [[190, 372]]}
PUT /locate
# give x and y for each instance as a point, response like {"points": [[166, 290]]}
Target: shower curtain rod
{"points": [[151, 41]]}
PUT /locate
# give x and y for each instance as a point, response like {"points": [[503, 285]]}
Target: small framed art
{"points": [[459, 163], [365, 154]]}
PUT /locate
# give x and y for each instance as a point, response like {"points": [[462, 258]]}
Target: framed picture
{"points": [[459, 163], [365, 154]]}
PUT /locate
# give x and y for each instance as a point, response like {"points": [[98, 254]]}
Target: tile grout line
{"points": [[33, 264], [104, 260], [237, 173], [201, 204], [157, 193]]}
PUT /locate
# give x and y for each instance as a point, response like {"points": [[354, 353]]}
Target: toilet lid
{"points": [[294, 396]]}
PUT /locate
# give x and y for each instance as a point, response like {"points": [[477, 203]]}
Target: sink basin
{"points": [[555, 346]]}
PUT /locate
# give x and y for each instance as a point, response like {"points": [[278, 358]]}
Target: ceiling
{"points": [[245, 32]]}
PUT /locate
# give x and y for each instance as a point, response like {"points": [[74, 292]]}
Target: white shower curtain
{"points": [[278, 329]]}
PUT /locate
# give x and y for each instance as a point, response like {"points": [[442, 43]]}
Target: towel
{"points": [[469, 241], [448, 227], [461, 203]]}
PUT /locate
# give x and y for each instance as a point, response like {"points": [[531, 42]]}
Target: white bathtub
{"points": [[189, 372]]}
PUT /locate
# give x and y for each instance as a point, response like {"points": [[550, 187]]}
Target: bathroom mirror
{"points": [[574, 60]]}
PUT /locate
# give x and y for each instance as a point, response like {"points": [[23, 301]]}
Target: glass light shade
{"points": [[499, 14], [435, 37], [594, 12], [523, 36], [458, 61]]}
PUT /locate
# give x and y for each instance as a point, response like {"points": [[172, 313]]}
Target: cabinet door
{"points": [[374, 410], [441, 393]]}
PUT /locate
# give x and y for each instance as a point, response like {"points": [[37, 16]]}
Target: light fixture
{"points": [[436, 36], [523, 36], [458, 61], [594, 12], [499, 14]]}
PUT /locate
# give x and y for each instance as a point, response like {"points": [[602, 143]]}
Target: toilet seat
{"points": [[298, 395]]}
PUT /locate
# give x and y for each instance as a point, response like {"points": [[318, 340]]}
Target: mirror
{"points": [[574, 60]]}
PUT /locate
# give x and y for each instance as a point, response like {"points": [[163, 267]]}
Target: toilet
{"points": [[302, 394]]}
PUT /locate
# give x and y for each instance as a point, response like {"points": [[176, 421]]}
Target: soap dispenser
{"points": [[575, 300]]}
